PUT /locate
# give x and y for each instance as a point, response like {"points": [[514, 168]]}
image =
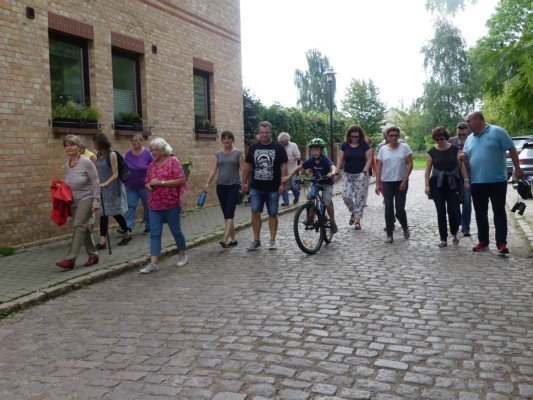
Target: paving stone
{"points": [[380, 322]]}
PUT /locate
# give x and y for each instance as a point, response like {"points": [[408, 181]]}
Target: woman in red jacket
{"points": [[82, 178]]}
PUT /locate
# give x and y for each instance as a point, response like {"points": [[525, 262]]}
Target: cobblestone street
{"points": [[361, 319]]}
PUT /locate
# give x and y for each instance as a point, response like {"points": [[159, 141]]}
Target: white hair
{"points": [[161, 144], [284, 135]]}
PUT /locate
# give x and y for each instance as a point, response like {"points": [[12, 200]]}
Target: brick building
{"points": [[173, 63]]}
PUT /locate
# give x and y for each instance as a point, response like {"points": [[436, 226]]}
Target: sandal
{"points": [[223, 244], [443, 243], [352, 220], [357, 226], [455, 239]]}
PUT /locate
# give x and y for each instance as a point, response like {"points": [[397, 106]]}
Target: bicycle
{"points": [[311, 222]]}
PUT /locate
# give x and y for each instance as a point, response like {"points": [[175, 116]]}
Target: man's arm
{"points": [[517, 169]]}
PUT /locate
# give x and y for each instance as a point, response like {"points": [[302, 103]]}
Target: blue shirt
{"points": [[486, 154], [322, 168]]}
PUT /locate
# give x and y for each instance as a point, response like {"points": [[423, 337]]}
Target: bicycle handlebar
{"points": [[323, 178]]}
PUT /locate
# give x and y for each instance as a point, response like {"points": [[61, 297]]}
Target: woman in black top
{"points": [[443, 184]]}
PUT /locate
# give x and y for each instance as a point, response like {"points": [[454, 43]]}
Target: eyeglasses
{"points": [[394, 135], [355, 137], [440, 139]]}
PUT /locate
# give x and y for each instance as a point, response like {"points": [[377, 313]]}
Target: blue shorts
{"points": [[259, 197]]}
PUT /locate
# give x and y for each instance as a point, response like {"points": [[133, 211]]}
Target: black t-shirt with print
{"points": [[266, 163]]}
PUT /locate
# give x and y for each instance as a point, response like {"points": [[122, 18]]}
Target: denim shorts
{"points": [[327, 194], [259, 197]]}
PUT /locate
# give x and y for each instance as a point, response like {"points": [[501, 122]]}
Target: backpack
{"points": [[123, 170]]}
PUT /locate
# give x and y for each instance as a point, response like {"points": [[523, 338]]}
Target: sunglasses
{"points": [[440, 139], [394, 135], [355, 137]]}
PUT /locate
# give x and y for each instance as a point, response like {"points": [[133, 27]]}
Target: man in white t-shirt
{"points": [[293, 154]]}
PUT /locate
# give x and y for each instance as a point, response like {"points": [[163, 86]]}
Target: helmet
{"points": [[317, 142]]}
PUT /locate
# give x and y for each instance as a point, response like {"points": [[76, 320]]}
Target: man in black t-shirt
{"points": [[266, 161]]}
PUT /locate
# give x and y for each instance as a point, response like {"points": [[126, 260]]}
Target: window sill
{"points": [[130, 133], [76, 131], [206, 133]]}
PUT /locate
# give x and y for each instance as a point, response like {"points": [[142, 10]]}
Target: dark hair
{"points": [[359, 130], [462, 125], [393, 129], [227, 135], [440, 131], [101, 140]]}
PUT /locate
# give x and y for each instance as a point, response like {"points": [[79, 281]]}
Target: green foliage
{"points": [[363, 106], [73, 110], [446, 6], [505, 57], [200, 123], [409, 119], [130, 117], [312, 86], [70, 109], [450, 92], [7, 251], [252, 108], [90, 113]]}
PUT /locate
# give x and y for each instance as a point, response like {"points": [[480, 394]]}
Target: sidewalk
{"points": [[30, 276]]}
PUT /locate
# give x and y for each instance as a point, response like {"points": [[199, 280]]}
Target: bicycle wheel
{"points": [[328, 233], [309, 233]]}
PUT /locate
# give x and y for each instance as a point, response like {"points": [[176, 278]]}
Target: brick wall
{"points": [[31, 153]]}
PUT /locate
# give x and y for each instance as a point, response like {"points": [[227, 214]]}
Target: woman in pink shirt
{"points": [[166, 184]]}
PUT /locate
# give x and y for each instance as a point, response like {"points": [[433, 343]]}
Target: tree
{"points": [[409, 119], [313, 90], [252, 107], [505, 57], [446, 6], [363, 106], [450, 92]]}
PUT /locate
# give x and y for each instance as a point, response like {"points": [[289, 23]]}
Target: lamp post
{"points": [[330, 74]]}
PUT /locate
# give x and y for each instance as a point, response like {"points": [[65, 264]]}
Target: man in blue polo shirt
{"points": [[485, 149]]}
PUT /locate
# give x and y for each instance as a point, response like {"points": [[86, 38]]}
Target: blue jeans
{"points": [[172, 218], [394, 198], [496, 193], [294, 188], [133, 199], [446, 202], [258, 198], [466, 210]]}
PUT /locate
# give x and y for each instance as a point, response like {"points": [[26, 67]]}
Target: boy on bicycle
{"points": [[321, 167]]}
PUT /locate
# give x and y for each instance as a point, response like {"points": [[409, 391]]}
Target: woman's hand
{"points": [[427, 190], [206, 186], [285, 179], [467, 185]]}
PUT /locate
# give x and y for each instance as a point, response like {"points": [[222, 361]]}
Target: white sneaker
{"points": [[182, 260], [149, 268], [272, 245]]}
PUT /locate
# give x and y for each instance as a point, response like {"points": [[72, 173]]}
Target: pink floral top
{"points": [[165, 197]]}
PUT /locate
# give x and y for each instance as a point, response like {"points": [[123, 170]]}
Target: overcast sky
{"points": [[363, 39]]}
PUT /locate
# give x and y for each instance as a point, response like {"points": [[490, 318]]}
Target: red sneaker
{"points": [[502, 248], [480, 247], [66, 264]]}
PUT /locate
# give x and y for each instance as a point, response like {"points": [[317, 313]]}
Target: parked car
{"points": [[525, 159], [519, 142]]}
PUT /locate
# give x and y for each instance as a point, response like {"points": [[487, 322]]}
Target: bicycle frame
{"points": [[312, 228]]}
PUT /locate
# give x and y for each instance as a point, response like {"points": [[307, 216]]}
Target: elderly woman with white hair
{"points": [[166, 184], [293, 154]]}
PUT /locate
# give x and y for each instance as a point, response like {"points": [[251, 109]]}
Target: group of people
{"points": [[156, 178], [458, 169]]}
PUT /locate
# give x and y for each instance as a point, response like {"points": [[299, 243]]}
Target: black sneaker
{"points": [[146, 231]]}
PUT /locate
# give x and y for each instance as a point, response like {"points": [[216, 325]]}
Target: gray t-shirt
{"points": [[394, 162], [228, 167]]}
